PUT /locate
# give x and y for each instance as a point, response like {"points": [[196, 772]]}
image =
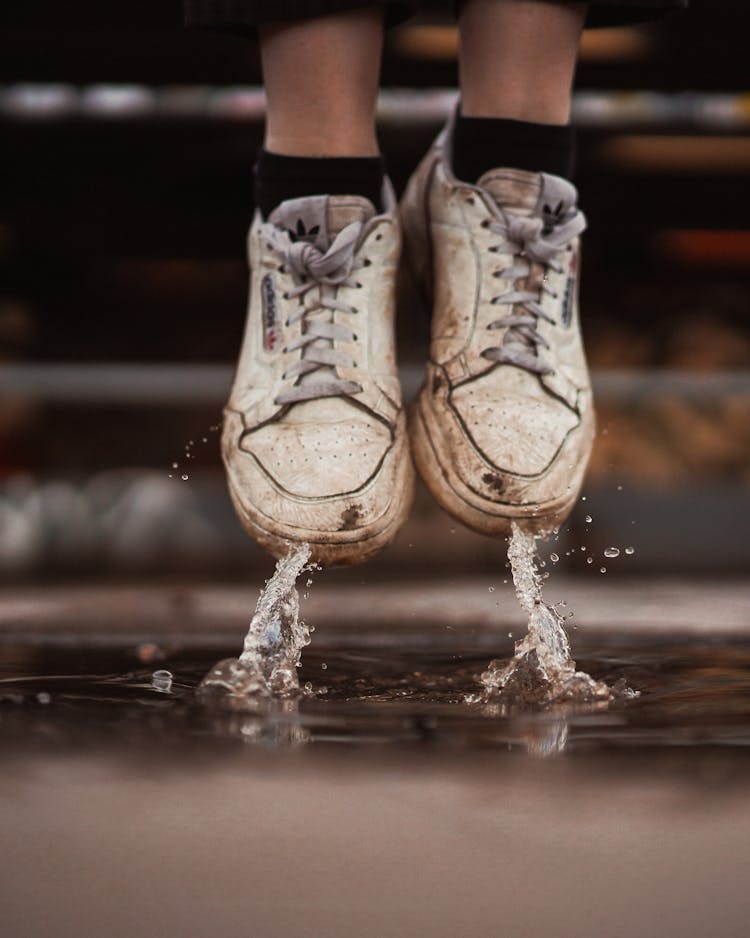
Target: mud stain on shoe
{"points": [[350, 518], [496, 483]]}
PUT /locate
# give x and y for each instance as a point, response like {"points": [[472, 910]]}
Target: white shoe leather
{"points": [[503, 427], [314, 440]]}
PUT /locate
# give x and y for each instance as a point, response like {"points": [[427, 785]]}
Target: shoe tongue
{"points": [[551, 197], [513, 188], [319, 218]]}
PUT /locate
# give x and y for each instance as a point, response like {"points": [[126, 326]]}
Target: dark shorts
{"points": [[243, 16]]}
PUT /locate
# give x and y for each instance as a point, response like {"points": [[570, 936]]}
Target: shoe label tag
{"points": [[270, 314]]}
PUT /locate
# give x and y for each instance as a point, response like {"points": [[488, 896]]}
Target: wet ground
{"points": [[380, 802]]}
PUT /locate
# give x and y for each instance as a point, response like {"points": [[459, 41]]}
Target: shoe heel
{"points": [[414, 224]]}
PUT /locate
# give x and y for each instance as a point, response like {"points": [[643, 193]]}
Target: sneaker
{"points": [[314, 440], [503, 426]]}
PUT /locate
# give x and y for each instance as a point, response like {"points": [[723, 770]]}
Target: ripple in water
{"points": [[267, 667], [542, 671]]}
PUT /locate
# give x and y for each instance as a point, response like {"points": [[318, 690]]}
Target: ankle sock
{"points": [[279, 177], [484, 143]]}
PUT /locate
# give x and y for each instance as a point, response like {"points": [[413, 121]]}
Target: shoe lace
{"points": [[527, 239], [318, 276]]}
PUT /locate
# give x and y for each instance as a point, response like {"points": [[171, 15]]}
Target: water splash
{"points": [[267, 667], [542, 671]]}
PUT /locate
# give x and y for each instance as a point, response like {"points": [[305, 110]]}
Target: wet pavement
{"points": [[380, 801]]}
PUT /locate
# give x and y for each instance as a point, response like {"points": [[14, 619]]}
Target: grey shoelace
{"points": [[526, 239], [317, 277]]}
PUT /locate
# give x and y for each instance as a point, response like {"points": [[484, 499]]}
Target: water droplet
{"points": [[43, 697], [619, 488], [583, 548], [492, 589], [510, 635], [308, 686], [589, 560], [554, 558], [175, 465], [611, 552], [588, 519], [602, 569], [184, 476], [630, 551], [162, 681], [452, 531], [583, 498], [309, 582], [323, 666]]}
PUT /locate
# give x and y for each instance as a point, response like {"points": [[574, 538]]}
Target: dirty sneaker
{"points": [[503, 426], [314, 439]]}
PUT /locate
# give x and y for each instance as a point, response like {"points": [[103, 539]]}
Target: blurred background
{"points": [[125, 196]]}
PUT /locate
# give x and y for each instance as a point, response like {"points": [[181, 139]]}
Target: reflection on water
{"points": [[400, 690]]}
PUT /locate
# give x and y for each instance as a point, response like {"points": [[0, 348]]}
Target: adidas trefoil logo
{"points": [[552, 216], [300, 233]]}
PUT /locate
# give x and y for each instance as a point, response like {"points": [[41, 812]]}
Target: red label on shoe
{"points": [[270, 316]]}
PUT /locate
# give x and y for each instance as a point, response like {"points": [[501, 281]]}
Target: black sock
{"points": [[278, 178], [484, 143]]}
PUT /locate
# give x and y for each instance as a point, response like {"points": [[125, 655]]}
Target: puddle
{"points": [[401, 689]]}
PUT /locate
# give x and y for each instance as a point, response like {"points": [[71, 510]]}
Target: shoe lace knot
{"points": [[528, 239], [318, 275]]}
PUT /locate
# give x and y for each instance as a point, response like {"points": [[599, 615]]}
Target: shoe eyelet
{"points": [[486, 223], [358, 285], [378, 237], [469, 200], [367, 262], [285, 295]]}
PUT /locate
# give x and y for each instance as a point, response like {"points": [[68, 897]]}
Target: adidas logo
{"points": [[552, 216], [300, 233]]}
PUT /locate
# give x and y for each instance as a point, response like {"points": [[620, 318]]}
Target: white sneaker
{"points": [[503, 427], [314, 442]]}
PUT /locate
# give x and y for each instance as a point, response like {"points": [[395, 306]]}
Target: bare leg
{"points": [[517, 58], [321, 77]]}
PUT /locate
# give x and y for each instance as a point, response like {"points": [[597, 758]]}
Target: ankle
{"points": [[304, 138]]}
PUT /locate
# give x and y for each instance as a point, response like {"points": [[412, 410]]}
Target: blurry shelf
{"points": [[190, 384], [36, 102]]}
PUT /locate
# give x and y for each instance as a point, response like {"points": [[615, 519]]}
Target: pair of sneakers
{"points": [[316, 444]]}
